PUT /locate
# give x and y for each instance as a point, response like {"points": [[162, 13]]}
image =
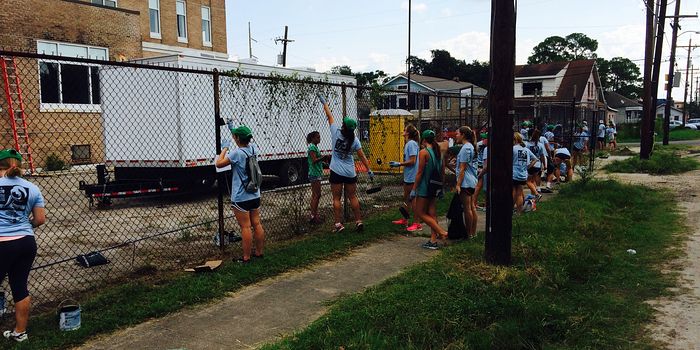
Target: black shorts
{"points": [[17, 259], [519, 183], [247, 206], [338, 179], [550, 166], [562, 156], [408, 183], [601, 139], [470, 191], [533, 171]]}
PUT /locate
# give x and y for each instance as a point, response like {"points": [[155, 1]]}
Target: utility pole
{"points": [[685, 94], [661, 15], [284, 43], [499, 214], [250, 43], [408, 69], [648, 107], [671, 66]]}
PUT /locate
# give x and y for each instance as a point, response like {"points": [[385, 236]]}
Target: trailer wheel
{"points": [[290, 173]]}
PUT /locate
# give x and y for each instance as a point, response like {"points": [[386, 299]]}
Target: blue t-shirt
{"points": [[342, 162], [610, 132], [523, 132], [467, 156], [545, 142], [480, 147], [17, 199], [601, 130], [563, 151], [580, 139], [521, 159], [238, 175], [538, 150], [410, 149]]}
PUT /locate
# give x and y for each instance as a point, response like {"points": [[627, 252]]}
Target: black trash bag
{"points": [[91, 259], [455, 217]]}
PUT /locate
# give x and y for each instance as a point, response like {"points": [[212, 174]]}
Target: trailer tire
{"points": [[290, 173]]}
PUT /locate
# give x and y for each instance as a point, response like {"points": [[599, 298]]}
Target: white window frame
{"points": [[402, 87], [154, 35], [211, 34], [181, 39], [70, 107], [438, 103], [116, 3], [448, 103]]}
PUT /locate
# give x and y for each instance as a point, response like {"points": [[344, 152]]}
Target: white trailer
{"points": [[159, 125]]}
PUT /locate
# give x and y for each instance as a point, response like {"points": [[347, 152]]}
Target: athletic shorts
{"points": [[315, 178], [469, 190], [17, 259], [562, 156], [601, 139], [247, 206], [519, 183], [533, 171], [550, 167], [408, 183], [339, 179]]}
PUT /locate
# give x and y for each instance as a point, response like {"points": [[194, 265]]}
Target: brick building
{"points": [[62, 99]]}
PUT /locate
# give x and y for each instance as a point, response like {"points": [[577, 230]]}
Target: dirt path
{"points": [[678, 317]]}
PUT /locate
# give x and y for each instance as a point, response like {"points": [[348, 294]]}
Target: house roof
{"points": [[436, 84], [539, 70], [616, 100], [663, 105], [572, 85]]}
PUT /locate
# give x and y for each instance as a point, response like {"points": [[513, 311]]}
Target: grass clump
{"points": [[572, 284], [662, 162]]}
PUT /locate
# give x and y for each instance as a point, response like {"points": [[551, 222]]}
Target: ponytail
{"points": [[349, 136], [468, 134], [11, 166], [433, 143]]}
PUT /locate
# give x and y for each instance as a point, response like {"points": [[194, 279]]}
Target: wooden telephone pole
{"points": [[499, 215], [284, 43], [648, 107]]}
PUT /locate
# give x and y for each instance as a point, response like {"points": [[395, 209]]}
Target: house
{"points": [[62, 100], [625, 110], [434, 99], [676, 114], [550, 92]]}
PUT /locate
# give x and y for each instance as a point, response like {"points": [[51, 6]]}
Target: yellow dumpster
{"points": [[386, 138]]}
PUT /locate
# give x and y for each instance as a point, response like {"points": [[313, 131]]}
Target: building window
{"points": [[439, 103], [530, 89], [65, 84], [154, 17], [206, 26], [181, 11], [110, 3], [449, 103], [80, 154], [402, 87]]}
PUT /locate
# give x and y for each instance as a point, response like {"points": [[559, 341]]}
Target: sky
{"points": [[369, 35]]}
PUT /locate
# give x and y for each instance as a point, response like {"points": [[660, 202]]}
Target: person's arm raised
{"points": [[326, 109]]}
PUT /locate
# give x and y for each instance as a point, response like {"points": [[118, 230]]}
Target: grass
{"points": [[665, 160], [137, 301], [677, 134], [572, 284]]}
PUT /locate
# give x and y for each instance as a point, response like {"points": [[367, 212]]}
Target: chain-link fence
{"points": [[124, 153]]}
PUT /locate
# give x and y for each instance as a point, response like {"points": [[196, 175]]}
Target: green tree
{"points": [[363, 78], [418, 65], [620, 75], [575, 46]]}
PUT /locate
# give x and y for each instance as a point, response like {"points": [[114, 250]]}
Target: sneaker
{"points": [[430, 245], [546, 190], [538, 197], [415, 227], [18, 337], [400, 222], [359, 226], [242, 261], [338, 228]]}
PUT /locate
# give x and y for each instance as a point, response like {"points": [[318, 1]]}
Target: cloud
{"points": [[417, 7], [468, 46], [447, 12], [626, 41]]}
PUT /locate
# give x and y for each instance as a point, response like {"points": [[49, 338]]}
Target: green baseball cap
{"points": [[350, 123], [10, 153], [484, 135], [550, 127], [427, 133], [242, 131]]}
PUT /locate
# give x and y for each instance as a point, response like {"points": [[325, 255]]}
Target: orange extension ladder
{"points": [[18, 120]]}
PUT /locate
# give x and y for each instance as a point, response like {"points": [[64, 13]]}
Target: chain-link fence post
{"points": [[220, 177]]}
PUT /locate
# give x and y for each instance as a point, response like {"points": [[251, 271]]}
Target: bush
{"points": [[660, 163], [53, 162]]}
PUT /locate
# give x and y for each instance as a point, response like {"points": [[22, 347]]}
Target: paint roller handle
{"points": [[394, 164], [321, 99]]}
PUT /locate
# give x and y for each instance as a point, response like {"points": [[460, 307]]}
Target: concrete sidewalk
{"points": [[272, 308]]}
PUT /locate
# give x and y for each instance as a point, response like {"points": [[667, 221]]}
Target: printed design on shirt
{"points": [[341, 149], [522, 157], [535, 149], [14, 199]]}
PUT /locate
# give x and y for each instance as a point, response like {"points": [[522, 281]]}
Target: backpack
{"points": [[252, 169], [435, 184], [455, 217]]}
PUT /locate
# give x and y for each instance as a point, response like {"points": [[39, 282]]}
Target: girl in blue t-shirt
{"points": [[410, 168], [466, 177], [246, 205], [343, 177], [21, 210], [523, 159]]}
